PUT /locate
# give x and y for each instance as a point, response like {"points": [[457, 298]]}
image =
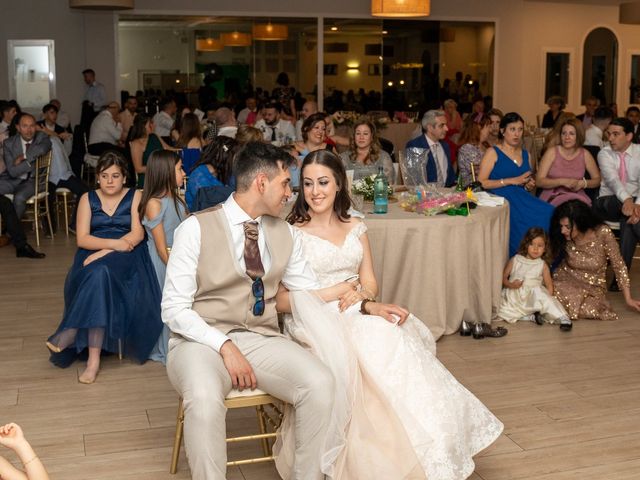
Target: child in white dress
{"points": [[528, 286]]}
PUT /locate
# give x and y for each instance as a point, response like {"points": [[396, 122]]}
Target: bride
{"points": [[398, 411]]}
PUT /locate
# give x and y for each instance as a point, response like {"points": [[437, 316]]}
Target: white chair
{"points": [[236, 399]]}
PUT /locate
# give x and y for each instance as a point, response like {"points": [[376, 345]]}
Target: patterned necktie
{"points": [[252, 259], [623, 168]]}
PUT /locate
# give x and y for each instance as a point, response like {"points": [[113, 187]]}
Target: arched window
{"points": [[599, 65]]}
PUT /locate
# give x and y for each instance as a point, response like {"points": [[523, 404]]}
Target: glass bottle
{"points": [[380, 192]]}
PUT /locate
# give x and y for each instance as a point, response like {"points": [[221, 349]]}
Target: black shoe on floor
{"points": [[614, 286], [566, 327], [27, 251], [538, 318]]}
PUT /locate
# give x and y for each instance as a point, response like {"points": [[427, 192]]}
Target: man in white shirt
{"points": [[274, 129], [247, 115], [164, 120], [601, 119], [226, 122], [95, 93], [63, 117], [617, 200], [308, 109], [128, 114], [219, 302], [106, 131], [7, 112]]}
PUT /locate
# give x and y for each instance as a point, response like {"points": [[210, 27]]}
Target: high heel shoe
{"points": [[53, 348], [465, 329], [478, 331]]}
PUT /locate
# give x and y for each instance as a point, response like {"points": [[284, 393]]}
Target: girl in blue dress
{"points": [[213, 169], [112, 298], [162, 210], [505, 171]]}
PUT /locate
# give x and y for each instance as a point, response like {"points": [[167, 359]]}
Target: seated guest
{"points": [[49, 123], [587, 246], [365, 154], [274, 129], [600, 121], [477, 110], [176, 131], [617, 200], [249, 114], [494, 127], [142, 142], [106, 131], [247, 133], [162, 210], [439, 167], [505, 171], [190, 141], [226, 122], [112, 298], [15, 231], [633, 114], [556, 106], [473, 144], [128, 114], [63, 117], [590, 106], [20, 153], [454, 120], [552, 138], [7, 111], [563, 169], [163, 120], [215, 168], [309, 108]]}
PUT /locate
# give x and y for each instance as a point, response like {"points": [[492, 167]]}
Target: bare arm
{"points": [[83, 228], [136, 156], [543, 170], [486, 166], [11, 436], [153, 209], [592, 168], [505, 276], [546, 279], [136, 235]]}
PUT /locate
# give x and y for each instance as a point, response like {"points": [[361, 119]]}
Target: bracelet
{"points": [[364, 304], [502, 181], [26, 463], [585, 182]]}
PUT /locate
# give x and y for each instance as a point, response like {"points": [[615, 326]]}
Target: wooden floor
{"points": [[570, 402]]}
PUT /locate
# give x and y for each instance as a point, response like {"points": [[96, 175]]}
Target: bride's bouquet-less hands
{"points": [[364, 187]]}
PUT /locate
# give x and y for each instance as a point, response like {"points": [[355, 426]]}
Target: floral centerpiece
{"points": [[365, 187], [348, 119]]}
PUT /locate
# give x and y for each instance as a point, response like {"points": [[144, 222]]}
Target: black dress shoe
{"points": [[28, 252], [538, 318], [465, 329], [497, 332], [566, 327], [614, 286]]}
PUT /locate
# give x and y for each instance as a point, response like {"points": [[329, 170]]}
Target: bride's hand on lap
{"points": [[387, 311], [239, 368]]}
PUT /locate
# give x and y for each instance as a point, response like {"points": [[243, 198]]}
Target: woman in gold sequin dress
{"points": [[580, 280]]}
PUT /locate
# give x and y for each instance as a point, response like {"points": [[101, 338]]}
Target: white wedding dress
{"points": [[398, 412]]}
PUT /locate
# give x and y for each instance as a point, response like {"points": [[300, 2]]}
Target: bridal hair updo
{"points": [[341, 204]]}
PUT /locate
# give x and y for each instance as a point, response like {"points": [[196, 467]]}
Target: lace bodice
{"points": [[331, 263]]}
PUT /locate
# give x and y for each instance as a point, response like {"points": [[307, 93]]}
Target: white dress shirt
{"points": [[609, 163], [104, 129], [285, 131], [229, 131], [163, 124], [593, 136], [441, 160], [180, 284], [96, 94]]}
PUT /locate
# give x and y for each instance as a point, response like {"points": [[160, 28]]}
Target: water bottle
{"points": [[380, 192]]}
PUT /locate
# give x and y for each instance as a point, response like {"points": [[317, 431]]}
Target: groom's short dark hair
{"points": [[259, 157]]}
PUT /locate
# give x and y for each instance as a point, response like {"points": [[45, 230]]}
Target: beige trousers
{"points": [[282, 368]]}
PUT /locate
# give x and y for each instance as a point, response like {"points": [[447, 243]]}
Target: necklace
{"points": [[110, 208]]}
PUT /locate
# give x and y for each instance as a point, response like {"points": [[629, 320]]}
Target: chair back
{"points": [[43, 166]]}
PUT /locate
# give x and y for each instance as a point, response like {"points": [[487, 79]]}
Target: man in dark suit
{"points": [[15, 231], [439, 167], [633, 114], [20, 153]]}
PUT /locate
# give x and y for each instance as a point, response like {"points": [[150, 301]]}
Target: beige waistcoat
{"points": [[224, 298]]}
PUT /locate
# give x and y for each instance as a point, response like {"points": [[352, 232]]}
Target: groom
{"points": [[219, 301]]}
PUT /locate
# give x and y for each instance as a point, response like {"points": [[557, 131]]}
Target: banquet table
{"points": [[444, 269], [399, 134]]}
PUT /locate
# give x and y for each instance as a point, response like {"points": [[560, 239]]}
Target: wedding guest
{"points": [[226, 122], [8, 111], [247, 133], [63, 117], [49, 123], [439, 167], [190, 140], [454, 126], [142, 143], [128, 114], [112, 298], [162, 210], [594, 135], [620, 167], [474, 142], [106, 131], [225, 323], [95, 94], [249, 114], [308, 108], [214, 168], [556, 106], [163, 120], [552, 138], [494, 128], [12, 437], [365, 154], [505, 171], [383, 346], [590, 106], [276, 130], [563, 169], [633, 114], [16, 232], [284, 94], [176, 130], [588, 245]]}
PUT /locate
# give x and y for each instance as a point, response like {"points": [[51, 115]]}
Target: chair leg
{"points": [[36, 221], [120, 349], [46, 208], [66, 214], [266, 449], [175, 456]]}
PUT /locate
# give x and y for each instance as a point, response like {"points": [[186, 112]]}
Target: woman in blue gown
{"points": [[112, 298], [505, 171]]}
